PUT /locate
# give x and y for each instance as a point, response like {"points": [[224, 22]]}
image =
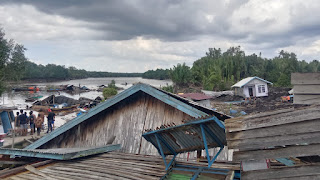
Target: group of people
{"points": [[23, 121]]}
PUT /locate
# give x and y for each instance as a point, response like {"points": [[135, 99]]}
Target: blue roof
{"points": [[187, 137], [60, 153], [245, 81], [190, 108]]}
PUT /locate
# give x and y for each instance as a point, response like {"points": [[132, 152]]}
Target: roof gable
{"points": [[182, 104], [245, 81]]}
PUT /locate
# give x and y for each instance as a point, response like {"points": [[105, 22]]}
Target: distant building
{"points": [[200, 98], [251, 87]]}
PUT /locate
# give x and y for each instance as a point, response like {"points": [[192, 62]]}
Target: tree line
{"points": [[219, 70]]}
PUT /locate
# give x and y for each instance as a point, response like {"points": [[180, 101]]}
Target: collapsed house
{"points": [[65, 101], [251, 87], [140, 111], [126, 117]]}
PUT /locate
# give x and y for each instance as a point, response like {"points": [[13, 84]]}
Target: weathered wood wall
{"points": [[279, 134], [306, 88], [126, 121]]}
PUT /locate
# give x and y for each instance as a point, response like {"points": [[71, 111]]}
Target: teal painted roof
{"points": [[184, 105], [60, 153]]}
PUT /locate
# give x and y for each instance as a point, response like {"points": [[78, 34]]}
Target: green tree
{"points": [[181, 74], [108, 92]]}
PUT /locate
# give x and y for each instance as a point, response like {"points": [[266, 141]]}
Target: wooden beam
{"points": [[37, 172], [305, 78], [263, 142], [285, 129], [294, 172], [16, 170], [285, 152], [279, 119]]}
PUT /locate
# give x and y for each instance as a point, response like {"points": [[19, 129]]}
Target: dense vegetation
{"points": [[52, 71], [157, 74], [218, 71], [110, 91], [12, 61]]}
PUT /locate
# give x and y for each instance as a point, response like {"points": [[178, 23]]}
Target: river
{"points": [[17, 99]]}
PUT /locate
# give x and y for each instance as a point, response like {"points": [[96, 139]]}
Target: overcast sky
{"points": [[138, 35]]}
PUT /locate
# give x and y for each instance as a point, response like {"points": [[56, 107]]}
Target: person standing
{"points": [[17, 124], [38, 123], [23, 123], [50, 117], [31, 121], [41, 113]]}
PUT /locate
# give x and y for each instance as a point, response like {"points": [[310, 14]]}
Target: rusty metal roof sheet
{"points": [[195, 96]]}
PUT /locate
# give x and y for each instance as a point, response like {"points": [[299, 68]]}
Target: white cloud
{"points": [[25, 23], [181, 32]]}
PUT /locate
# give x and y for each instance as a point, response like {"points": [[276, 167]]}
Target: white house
{"points": [[251, 87]]}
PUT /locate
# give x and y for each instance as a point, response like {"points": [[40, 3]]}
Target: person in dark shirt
{"points": [[31, 120], [23, 123], [50, 117]]}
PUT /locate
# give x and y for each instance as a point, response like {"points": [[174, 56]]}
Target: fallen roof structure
{"points": [[195, 135], [280, 135], [59, 153]]}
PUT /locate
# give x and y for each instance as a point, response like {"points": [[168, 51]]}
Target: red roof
{"points": [[195, 96]]}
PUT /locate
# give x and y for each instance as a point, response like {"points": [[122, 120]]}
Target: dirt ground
{"points": [[262, 104]]}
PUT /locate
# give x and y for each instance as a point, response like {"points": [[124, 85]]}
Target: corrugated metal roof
{"points": [[59, 153], [111, 165], [191, 108], [195, 96], [188, 137], [245, 81]]}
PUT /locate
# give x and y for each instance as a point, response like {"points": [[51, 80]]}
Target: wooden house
{"points": [[125, 117], [251, 87]]}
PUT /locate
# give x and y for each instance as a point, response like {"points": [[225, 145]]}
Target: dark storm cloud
{"points": [[167, 20]]}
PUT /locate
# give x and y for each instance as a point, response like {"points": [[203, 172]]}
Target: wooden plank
{"points": [[306, 99], [83, 173], [286, 152], [306, 89], [125, 167], [75, 175], [16, 170], [283, 118], [230, 175], [260, 115], [286, 129], [305, 78], [285, 172], [263, 142], [37, 172]]}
